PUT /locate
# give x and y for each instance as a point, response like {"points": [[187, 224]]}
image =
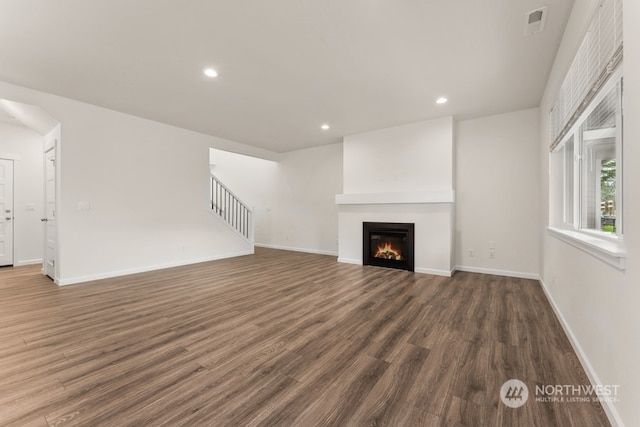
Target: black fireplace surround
{"points": [[388, 244]]}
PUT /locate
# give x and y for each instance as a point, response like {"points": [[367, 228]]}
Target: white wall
{"points": [[597, 302], [626, 298], [25, 146], [293, 197], [497, 194], [253, 180], [413, 157], [304, 215], [147, 185], [417, 157]]}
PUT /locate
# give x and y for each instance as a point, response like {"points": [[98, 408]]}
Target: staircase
{"points": [[228, 207]]}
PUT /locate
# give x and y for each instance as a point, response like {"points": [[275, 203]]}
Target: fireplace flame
{"points": [[387, 251]]}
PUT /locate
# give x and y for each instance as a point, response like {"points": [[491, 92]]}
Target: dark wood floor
{"points": [[280, 338]]}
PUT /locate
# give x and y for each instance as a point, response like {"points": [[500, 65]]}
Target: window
{"points": [[585, 133], [598, 165], [592, 161]]}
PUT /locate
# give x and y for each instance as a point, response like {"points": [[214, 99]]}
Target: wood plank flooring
{"points": [[280, 339]]}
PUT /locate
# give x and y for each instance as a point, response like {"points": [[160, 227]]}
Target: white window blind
{"points": [[597, 58]]}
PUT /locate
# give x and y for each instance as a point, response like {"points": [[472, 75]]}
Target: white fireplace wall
{"points": [[433, 238], [401, 174], [413, 157]]}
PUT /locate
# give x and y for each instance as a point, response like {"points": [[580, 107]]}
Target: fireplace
{"points": [[388, 244]]}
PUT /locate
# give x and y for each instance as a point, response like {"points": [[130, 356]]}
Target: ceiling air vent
{"points": [[535, 20]]}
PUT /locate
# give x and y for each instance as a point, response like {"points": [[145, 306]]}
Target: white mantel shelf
{"points": [[409, 197]]}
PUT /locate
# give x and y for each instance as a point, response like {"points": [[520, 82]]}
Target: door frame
{"points": [[12, 159], [52, 142]]}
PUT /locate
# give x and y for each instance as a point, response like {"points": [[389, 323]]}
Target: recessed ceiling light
{"points": [[441, 100], [324, 127], [210, 72]]}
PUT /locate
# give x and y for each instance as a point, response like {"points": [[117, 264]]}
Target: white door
{"points": [[6, 212], [50, 212]]}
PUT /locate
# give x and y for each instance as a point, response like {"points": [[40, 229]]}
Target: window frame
{"points": [[606, 246], [575, 134]]}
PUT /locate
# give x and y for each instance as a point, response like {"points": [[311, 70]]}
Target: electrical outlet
{"points": [[492, 253], [471, 253]]}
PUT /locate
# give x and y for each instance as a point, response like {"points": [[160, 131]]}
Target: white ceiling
{"points": [[285, 66]]}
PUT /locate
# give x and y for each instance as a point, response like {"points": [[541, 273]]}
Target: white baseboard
{"points": [[110, 274], [28, 262], [417, 269], [497, 272], [289, 248], [609, 408], [350, 261], [434, 272]]}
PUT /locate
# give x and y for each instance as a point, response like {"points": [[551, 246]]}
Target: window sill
{"points": [[612, 253]]}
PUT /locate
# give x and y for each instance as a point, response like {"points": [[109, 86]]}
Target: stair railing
{"points": [[226, 205]]}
